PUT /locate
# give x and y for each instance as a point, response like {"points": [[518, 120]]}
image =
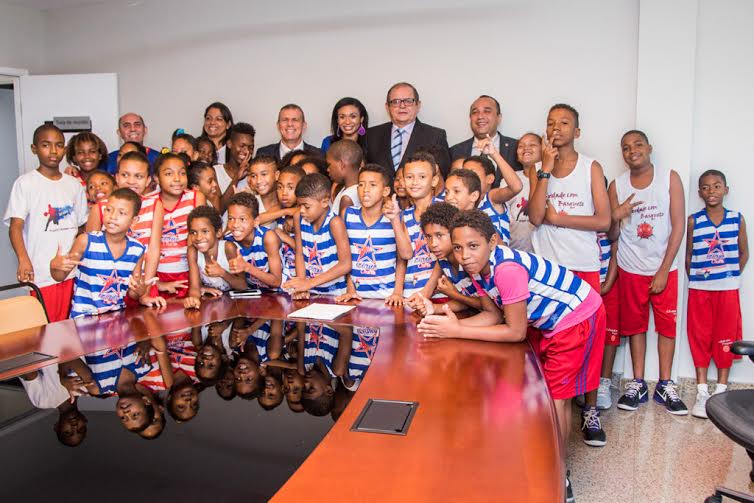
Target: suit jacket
{"points": [[379, 139], [508, 148], [273, 149]]}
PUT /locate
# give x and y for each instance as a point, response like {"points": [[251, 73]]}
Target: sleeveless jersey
{"points": [[256, 256], [501, 221], [419, 267], [554, 291], [460, 279], [572, 195], [320, 255], [605, 254], [373, 255], [644, 235], [101, 281], [714, 260], [287, 256], [106, 366], [175, 235]]}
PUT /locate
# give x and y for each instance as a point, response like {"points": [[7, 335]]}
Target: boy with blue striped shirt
{"points": [[111, 262], [323, 255], [371, 235], [717, 250]]}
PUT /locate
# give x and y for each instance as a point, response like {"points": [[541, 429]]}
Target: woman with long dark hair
{"points": [[217, 122], [349, 120]]}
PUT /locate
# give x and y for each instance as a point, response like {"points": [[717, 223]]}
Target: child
{"points": [[568, 206], [177, 202], [206, 151], [310, 164], [717, 250], [85, 153], [130, 146], [463, 189], [231, 176], [323, 256], [102, 280], [611, 300], [253, 252], [399, 187], [202, 177], [288, 179], [448, 277], [648, 222], [529, 153], [493, 203], [99, 186], [372, 239], [534, 291], [45, 210], [184, 143], [421, 178], [344, 158], [263, 173], [209, 271]]}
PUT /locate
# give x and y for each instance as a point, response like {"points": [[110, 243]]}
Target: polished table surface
{"points": [[485, 427]]}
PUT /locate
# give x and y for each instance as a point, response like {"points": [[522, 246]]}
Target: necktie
{"points": [[396, 147]]}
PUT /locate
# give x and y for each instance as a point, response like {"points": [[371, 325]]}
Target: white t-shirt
{"points": [[52, 211], [221, 154], [352, 192], [575, 249], [518, 207], [222, 260], [45, 391]]}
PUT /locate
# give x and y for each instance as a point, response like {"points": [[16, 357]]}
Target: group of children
{"points": [[552, 255]]}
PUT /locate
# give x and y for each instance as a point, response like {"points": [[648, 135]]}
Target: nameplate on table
{"points": [[321, 312]]}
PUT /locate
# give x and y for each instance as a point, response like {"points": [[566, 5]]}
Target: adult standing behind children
{"points": [[131, 127], [391, 143], [292, 126], [45, 210], [485, 117], [349, 121], [217, 123]]}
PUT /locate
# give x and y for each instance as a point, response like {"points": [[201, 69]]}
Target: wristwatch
{"points": [[541, 174]]}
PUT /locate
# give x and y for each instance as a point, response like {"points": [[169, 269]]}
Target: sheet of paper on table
{"points": [[321, 311]]}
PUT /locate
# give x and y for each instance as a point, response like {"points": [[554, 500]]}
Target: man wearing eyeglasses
{"points": [[390, 144], [485, 117]]}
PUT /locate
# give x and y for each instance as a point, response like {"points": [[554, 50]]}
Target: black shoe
{"points": [[591, 427], [569, 489], [666, 393], [636, 393]]}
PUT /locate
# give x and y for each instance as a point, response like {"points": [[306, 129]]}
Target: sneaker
{"points": [[636, 393], [604, 400], [569, 489], [591, 427], [700, 406], [666, 393]]}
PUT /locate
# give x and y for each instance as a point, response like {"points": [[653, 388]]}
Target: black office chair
{"points": [[733, 413]]}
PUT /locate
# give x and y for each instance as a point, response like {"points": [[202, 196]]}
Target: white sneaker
{"points": [[604, 400], [700, 409]]}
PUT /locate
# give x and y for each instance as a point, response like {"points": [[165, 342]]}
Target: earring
{"points": [[361, 130]]}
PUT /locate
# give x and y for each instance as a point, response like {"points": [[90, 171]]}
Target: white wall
{"points": [[22, 38], [174, 57]]}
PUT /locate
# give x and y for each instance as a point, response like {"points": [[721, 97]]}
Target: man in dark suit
{"points": [[291, 124], [485, 118], [390, 144]]}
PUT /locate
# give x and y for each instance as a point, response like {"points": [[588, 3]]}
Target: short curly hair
{"points": [[245, 199], [439, 214], [477, 220], [208, 212]]}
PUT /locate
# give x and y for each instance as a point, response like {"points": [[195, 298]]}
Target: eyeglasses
{"points": [[405, 102]]}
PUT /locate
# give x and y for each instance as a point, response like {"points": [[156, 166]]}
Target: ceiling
{"points": [[62, 4]]}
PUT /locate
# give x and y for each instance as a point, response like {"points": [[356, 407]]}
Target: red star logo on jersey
{"points": [[315, 334], [111, 291], [715, 250], [422, 258], [367, 262], [114, 352], [313, 260]]}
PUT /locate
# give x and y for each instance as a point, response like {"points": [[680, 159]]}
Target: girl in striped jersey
{"points": [[493, 202], [529, 290], [253, 251], [209, 271], [372, 238], [323, 256], [107, 262], [133, 173], [177, 201], [717, 250]]}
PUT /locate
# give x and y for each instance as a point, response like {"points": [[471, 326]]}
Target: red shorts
{"points": [[166, 277], [57, 299], [611, 301], [572, 358], [713, 324], [634, 310], [592, 277]]}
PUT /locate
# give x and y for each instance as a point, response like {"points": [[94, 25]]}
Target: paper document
{"points": [[321, 311]]}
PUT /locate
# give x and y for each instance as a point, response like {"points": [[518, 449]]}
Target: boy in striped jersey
{"points": [[323, 255], [105, 272], [717, 249], [530, 290], [372, 238]]}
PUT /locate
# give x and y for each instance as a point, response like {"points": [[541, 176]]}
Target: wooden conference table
{"points": [[485, 428]]}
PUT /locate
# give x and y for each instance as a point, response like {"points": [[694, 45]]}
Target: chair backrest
{"points": [[22, 311]]}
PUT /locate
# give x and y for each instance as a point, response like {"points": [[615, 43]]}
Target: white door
{"points": [[46, 96]]}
